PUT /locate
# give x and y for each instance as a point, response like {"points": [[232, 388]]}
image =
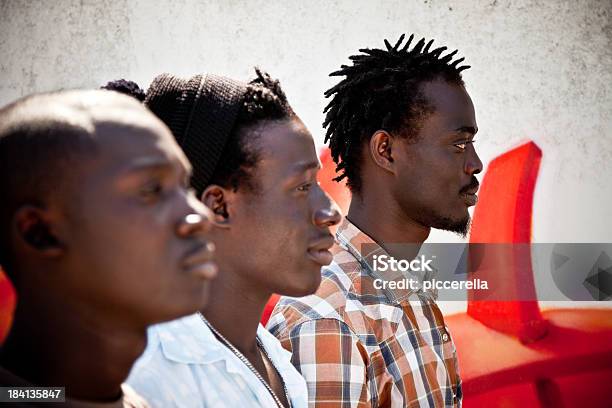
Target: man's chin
{"points": [[305, 285], [460, 226]]}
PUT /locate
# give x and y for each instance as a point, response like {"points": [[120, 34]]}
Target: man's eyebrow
{"points": [[154, 163], [467, 129], [301, 167]]}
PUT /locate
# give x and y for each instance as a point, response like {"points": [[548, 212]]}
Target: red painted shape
{"points": [[504, 216], [507, 189], [564, 357], [578, 345], [269, 308], [8, 300], [338, 191]]}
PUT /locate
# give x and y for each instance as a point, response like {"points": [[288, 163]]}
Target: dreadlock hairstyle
{"points": [[381, 91], [264, 100]]}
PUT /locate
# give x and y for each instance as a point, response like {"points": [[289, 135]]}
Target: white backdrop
{"points": [[540, 70]]}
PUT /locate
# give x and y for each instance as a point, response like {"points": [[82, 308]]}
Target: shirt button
{"points": [[445, 336]]}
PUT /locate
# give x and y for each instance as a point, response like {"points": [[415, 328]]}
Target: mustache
{"points": [[473, 184], [201, 245]]}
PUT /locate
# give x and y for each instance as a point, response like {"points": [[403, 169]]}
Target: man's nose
{"points": [[197, 221], [328, 214], [473, 165]]}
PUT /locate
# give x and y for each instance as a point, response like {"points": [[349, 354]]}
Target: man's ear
{"points": [[381, 144], [36, 231], [219, 200]]}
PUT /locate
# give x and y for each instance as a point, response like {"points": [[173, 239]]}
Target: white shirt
{"points": [[184, 365]]}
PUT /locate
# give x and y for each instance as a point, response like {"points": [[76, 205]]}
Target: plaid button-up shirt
{"points": [[358, 346]]}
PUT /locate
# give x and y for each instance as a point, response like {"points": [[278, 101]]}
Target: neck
{"points": [[53, 343], [235, 307], [384, 221]]}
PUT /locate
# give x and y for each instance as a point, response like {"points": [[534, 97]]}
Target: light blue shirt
{"points": [[184, 365]]}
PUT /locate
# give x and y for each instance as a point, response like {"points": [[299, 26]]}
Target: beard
{"points": [[433, 218], [460, 227], [430, 218]]}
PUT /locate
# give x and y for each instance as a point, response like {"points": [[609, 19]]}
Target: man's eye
{"points": [[304, 187], [463, 145], [151, 191]]}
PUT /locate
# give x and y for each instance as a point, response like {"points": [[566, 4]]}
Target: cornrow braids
{"points": [[381, 91]]}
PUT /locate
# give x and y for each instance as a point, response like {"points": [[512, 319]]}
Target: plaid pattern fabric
{"points": [[358, 346]]}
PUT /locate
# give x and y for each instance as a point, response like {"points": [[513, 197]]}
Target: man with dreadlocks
{"points": [[255, 166], [400, 126]]}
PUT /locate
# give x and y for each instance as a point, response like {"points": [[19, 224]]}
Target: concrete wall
{"points": [[541, 70]]}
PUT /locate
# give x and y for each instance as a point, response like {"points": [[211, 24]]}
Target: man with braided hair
{"points": [[400, 126], [255, 166]]}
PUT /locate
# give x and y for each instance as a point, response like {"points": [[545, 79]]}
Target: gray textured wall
{"points": [[541, 70]]}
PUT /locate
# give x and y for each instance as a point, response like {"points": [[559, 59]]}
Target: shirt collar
{"points": [[363, 248], [187, 340], [281, 359], [190, 341]]}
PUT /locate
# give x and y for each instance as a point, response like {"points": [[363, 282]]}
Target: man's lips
{"points": [[469, 194], [472, 190], [318, 251], [470, 199], [199, 261]]}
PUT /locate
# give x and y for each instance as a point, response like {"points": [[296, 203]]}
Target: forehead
{"points": [[451, 101], [285, 146], [123, 145]]}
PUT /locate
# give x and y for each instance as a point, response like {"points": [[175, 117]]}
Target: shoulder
{"points": [[346, 294], [148, 376], [131, 399], [328, 302], [281, 358], [162, 375]]}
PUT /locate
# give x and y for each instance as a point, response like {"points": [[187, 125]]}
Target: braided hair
{"points": [[382, 91]]}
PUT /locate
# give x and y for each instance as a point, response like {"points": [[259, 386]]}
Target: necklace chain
{"points": [[246, 362]]}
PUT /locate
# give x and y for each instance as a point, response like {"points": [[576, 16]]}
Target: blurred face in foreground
{"points": [[122, 235], [136, 244]]}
